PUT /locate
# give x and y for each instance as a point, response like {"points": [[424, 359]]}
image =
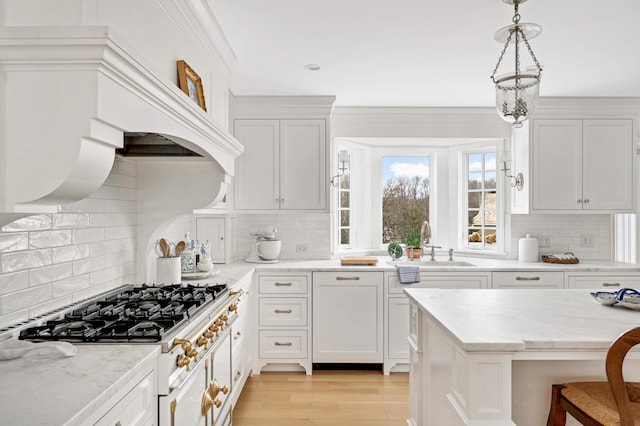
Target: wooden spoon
{"points": [[164, 247], [180, 248]]}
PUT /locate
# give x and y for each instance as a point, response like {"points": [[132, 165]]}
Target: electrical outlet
{"points": [[302, 248], [545, 241], [587, 240]]}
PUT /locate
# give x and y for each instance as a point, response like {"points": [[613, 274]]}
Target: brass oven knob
{"points": [[224, 318], [185, 344], [184, 361], [208, 334], [192, 353], [214, 328], [225, 389], [202, 341], [219, 323], [233, 308], [207, 402]]}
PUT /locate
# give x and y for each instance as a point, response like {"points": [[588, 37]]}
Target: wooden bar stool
{"points": [[609, 403]]}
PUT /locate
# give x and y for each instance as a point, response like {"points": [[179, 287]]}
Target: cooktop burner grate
{"points": [[138, 314]]}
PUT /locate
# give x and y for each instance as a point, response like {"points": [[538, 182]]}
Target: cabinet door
{"points": [[528, 279], [303, 175], [347, 317], [608, 165], [256, 185], [398, 332], [556, 168], [212, 229]]}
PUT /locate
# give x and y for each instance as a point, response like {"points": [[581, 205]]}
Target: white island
{"points": [[489, 356]]}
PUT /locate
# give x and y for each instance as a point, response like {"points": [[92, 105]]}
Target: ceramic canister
{"points": [[528, 249]]}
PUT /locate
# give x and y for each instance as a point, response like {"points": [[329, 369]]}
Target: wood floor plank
{"points": [[326, 398]]}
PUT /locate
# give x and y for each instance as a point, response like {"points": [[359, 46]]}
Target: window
{"points": [[481, 200], [344, 199], [388, 188], [405, 196]]}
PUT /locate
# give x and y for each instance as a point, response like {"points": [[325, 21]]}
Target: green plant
{"points": [[412, 239]]}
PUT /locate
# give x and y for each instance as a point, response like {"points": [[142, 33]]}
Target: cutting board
{"points": [[358, 260]]}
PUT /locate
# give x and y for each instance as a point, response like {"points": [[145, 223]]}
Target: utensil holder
{"points": [[168, 270]]}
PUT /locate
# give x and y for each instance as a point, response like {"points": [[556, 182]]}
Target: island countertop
{"points": [[524, 319]]}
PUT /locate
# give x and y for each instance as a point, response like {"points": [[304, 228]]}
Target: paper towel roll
{"points": [[528, 249]]}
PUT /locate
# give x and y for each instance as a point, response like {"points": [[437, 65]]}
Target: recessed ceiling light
{"points": [[312, 67]]}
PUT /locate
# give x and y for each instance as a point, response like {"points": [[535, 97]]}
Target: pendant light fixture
{"points": [[517, 92]]}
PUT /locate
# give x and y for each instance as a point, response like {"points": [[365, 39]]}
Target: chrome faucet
{"points": [[425, 235]]}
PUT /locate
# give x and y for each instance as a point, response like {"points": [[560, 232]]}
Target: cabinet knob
{"points": [[580, 200], [586, 200]]}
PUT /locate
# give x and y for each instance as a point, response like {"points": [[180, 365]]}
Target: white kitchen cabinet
{"points": [[283, 166], [138, 407], [396, 327], [604, 281], [348, 309], [283, 319], [582, 165], [527, 279], [214, 230]]}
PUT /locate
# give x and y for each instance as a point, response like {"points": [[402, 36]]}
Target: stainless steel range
{"points": [[191, 323]]}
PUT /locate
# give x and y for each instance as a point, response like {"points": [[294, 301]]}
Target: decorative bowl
{"points": [[606, 297]]}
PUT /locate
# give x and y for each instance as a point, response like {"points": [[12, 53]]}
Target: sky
{"points": [[404, 166]]}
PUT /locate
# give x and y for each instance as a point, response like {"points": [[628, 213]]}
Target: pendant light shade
{"points": [[517, 92]]}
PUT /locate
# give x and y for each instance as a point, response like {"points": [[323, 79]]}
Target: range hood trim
{"points": [[117, 78]]}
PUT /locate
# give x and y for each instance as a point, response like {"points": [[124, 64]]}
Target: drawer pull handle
{"points": [[610, 284], [283, 344], [347, 278], [528, 278], [282, 311], [283, 284]]}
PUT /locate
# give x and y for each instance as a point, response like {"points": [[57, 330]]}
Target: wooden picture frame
{"points": [[190, 83]]}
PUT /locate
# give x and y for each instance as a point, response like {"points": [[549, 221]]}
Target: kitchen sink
{"points": [[429, 263]]}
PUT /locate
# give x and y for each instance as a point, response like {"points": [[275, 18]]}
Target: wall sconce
{"points": [[343, 167], [518, 180]]}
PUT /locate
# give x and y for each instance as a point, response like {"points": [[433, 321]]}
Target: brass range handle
{"points": [[610, 284], [528, 278], [184, 344], [347, 278], [206, 404], [283, 344], [214, 389], [282, 311], [286, 284]]}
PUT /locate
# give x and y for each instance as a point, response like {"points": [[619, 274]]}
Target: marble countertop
{"points": [[44, 388], [479, 265], [525, 320]]}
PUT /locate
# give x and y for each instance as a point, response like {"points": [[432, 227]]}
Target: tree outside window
{"points": [[481, 200]]}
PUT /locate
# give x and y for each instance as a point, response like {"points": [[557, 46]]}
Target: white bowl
{"points": [[605, 297]]}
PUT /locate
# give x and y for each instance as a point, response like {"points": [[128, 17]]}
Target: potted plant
{"points": [[413, 244]]}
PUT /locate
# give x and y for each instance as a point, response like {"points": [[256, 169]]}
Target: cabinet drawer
{"points": [[136, 408], [348, 278], [604, 282], [283, 344], [290, 311], [528, 279], [283, 284]]}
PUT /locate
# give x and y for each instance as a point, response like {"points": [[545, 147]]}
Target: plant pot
{"points": [[417, 252]]}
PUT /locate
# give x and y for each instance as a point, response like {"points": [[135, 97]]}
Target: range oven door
{"points": [[183, 405], [219, 386]]}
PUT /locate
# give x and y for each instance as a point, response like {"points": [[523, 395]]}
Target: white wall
{"points": [[51, 260]]}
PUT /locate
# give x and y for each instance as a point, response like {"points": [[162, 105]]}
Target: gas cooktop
{"points": [[132, 314]]}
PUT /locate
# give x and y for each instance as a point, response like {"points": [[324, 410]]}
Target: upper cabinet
{"points": [[284, 163], [582, 165]]}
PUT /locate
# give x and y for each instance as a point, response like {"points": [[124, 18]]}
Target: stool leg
{"points": [[557, 414]]}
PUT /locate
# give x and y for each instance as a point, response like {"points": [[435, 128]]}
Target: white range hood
{"points": [[71, 94]]}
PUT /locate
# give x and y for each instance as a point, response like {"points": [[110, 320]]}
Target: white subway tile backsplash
{"points": [[106, 193], [124, 167], [14, 241], [70, 253], [45, 239], [24, 299], [120, 180], [88, 235], [104, 275], [49, 305], [29, 223], [10, 283], [103, 219], [71, 285], [47, 274], [85, 266], [119, 232], [89, 205], [70, 220], [105, 247], [18, 261], [8, 319], [118, 206], [128, 194]]}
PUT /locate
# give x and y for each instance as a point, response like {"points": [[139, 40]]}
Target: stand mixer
{"points": [[264, 236]]}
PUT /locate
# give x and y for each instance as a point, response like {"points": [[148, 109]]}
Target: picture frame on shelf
{"points": [[190, 83]]}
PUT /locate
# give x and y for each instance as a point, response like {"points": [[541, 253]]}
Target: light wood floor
{"points": [[326, 398]]}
